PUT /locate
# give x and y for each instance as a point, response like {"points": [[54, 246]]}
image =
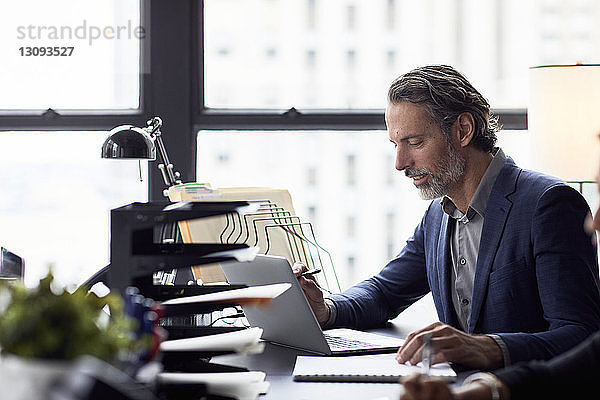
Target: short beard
{"points": [[451, 169]]}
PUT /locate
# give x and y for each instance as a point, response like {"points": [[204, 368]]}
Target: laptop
{"points": [[289, 321]]}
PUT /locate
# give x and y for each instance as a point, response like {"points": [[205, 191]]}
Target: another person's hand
{"points": [[450, 344], [423, 387], [313, 293]]}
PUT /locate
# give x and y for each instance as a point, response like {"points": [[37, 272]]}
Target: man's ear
{"points": [[465, 128]]}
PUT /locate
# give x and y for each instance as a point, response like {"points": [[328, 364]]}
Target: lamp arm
{"points": [[170, 176]]}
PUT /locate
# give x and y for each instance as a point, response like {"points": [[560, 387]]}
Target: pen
{"points": [[311, 272], [427, 354]]}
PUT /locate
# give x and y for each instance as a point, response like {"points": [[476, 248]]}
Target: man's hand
{"points": [[449, 344], [312, 292]]}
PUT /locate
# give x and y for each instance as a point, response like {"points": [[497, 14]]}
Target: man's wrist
{"points": [[473, 391], [503, 349], [332, 313]]}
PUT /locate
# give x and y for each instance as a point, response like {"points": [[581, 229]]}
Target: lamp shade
{"points": [[128, 141], [564, 120]]}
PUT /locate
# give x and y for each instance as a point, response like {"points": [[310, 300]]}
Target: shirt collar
{"points": [[480, 199]]}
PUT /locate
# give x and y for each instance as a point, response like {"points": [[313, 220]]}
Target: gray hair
{"points": [[446, 93]]}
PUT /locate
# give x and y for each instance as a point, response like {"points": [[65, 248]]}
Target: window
{"points": [[390, 226], [390, 17], [58, 193], [351, 261], [351, 17], [390, 59], [69, 54], [311, 59], [350, 59], [350, 170], [493, 42], [351, 227], [311, 214], [311, 14], [84, 60], [390, 160], [311, 176]]}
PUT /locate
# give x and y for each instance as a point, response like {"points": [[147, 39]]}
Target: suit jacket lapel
{"points": [[443, 270], [496, 214]]}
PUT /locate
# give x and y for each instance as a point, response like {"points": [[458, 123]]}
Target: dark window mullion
{"points": [[320, 119], [290, 119], [50, 121]]}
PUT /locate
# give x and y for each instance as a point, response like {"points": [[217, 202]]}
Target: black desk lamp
{"points": [[135, 249], [130, 142]]}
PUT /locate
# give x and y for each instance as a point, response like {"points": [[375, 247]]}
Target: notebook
{"points": [[370, 368], [289, 320]]}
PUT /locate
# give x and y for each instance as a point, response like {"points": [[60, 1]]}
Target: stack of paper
{"points": [[244, 341], [255, 295], [239, 385]]}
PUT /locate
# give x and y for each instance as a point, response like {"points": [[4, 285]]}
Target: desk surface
{"points": [[278, 363]]}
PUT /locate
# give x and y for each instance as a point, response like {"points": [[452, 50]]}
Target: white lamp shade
{"points": [[564, 120]]}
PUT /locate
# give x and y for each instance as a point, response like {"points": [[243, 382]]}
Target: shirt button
{"points": [[465, 302], [462, 261]]}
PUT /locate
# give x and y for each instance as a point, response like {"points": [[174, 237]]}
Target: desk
{"points": [[278, 363]]}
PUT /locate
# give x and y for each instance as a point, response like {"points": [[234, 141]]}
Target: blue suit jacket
{"points": [[536, 280]]}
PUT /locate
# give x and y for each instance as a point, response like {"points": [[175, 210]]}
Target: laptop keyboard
{"points": [[336, 342]]}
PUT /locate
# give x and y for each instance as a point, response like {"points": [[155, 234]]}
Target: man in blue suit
{"points": [[514, 275]]}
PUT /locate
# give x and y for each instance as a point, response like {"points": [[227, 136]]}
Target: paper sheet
{"points": [[242, 296], [239, 385], [240, 341]]}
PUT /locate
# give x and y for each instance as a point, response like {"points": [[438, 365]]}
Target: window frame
{"points": [[169, 71], [95, 119], [302, 119]]}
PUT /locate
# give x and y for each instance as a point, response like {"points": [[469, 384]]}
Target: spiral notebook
{"points": [[368, 368]]}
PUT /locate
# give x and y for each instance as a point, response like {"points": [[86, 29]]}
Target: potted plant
{"points": [[42, 330]]}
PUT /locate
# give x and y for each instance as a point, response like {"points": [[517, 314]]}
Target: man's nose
{"points": [[402, 160]]}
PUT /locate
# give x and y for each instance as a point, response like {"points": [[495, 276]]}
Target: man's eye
{"points": [[415, 143]]}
